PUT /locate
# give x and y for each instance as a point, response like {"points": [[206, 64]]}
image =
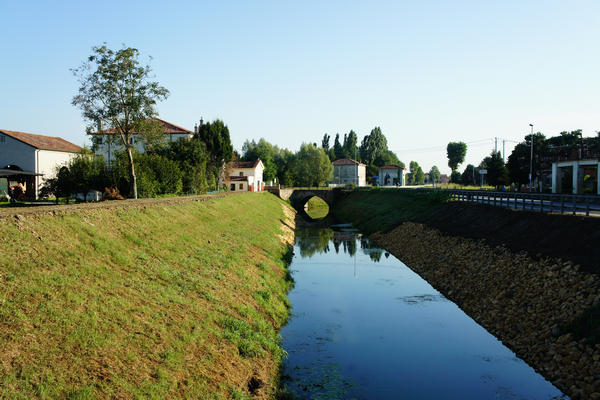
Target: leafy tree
{"points": [[456, 152], [419, 176], [518, 160], [455, 177], [116, 91], [264, 150], [215, 136], [338, 150], [191, 158], [312, 166], [284, 160], [412, 174], [470, 175], [373, 146], [434, 174], [497, 173]]}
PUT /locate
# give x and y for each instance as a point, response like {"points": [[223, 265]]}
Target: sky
{"points": [[426, 72]]}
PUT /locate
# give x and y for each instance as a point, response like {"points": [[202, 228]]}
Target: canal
{"points": [[365, 326]]}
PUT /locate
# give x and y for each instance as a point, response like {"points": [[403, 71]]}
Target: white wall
{"points": [[48, 161], [256, 174], [112, 143]]}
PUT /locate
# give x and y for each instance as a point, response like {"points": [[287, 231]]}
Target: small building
{"points": [[576, 176], [245, 176], [107, 142], [391, 175], [26, 159], [347, 171], [444, 179]]}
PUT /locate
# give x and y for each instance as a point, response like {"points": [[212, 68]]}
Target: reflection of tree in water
{"points": [[373, 251], [312, 241]]}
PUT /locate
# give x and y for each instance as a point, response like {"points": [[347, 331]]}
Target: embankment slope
{"points": [[169, 299]]}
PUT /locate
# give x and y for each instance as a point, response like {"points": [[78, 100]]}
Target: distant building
{"points": [[107, 142], [245, 176], [391, 175], [349, 172], [27, 159], [444, 179]]}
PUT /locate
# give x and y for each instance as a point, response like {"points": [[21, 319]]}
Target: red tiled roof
{"points": [[346, 161], [243, 164], [168, 129], [391, 166], [43, 142]]}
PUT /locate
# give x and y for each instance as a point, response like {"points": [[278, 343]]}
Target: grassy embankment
{"points": [[382, 209], [317, 208], [178, 301]]}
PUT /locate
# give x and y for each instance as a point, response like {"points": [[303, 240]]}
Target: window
{"points": [[233, 187], [2, 139], [242, 173], [241, 186]]}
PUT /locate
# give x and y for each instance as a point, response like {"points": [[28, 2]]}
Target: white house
{"points": [[107, 142], [391, 175], [347, 171], [34, 157], [245, 176]]}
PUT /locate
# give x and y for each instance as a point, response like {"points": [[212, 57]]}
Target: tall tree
{"points": [[456, 152], [264, 150], [338, 150], [117, 92], [325, 142], [372, 146], [215, 136], [350, 145], [412, 175]]}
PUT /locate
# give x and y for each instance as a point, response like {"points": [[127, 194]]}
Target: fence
{"points": [[543, 202]]}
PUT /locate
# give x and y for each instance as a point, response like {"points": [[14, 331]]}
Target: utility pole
{"points": [[531, 161]]}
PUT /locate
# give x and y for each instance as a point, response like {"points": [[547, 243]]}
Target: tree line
{"points": [[517, 167]]}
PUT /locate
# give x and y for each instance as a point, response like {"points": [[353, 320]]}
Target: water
{"points": [[364, 326]]}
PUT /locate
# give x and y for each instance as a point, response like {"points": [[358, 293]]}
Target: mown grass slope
{"points": [[381, 209], [180, 301]]}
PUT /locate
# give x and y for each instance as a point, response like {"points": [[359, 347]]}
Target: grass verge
{"points": [[167, 301], [317, 208]]}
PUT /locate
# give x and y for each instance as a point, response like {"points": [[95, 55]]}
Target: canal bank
{"points": [[529, 300]]}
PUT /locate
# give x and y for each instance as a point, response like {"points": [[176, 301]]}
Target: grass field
{"points": [[181, 301], [382, 209], [317, 208]]}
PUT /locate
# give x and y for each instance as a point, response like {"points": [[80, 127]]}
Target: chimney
{"points": [[195, 128], [201, 121]]}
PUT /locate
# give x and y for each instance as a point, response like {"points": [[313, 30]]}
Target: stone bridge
{"points": [[299, 197]]}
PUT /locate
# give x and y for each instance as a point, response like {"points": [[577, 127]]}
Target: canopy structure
{"points": [[26, 177]]}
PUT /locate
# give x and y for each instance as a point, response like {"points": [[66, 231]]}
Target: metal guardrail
{"points": [[542, 202]]}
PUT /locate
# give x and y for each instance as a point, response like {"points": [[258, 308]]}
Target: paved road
{"points": [[536, 205]]}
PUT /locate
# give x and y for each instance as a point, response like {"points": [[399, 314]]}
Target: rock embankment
{"points": [[522, 301]]}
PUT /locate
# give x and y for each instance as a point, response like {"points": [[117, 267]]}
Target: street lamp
{"points": [[531, 162]]}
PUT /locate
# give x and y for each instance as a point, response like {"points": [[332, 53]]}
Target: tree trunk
{"points": [[132, 173]]}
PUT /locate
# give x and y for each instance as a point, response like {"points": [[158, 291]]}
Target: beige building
{"points": [[391, 175], [349, 172], [107, 142], [245, 176]]}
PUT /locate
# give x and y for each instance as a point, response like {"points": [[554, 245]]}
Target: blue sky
{"points": [[426, 72]]}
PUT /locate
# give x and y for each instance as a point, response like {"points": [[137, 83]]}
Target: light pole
{"points": [[531, 162]]}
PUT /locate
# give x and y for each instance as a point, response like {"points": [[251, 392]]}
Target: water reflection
{"points": [[387, 334], [318, 241]]}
